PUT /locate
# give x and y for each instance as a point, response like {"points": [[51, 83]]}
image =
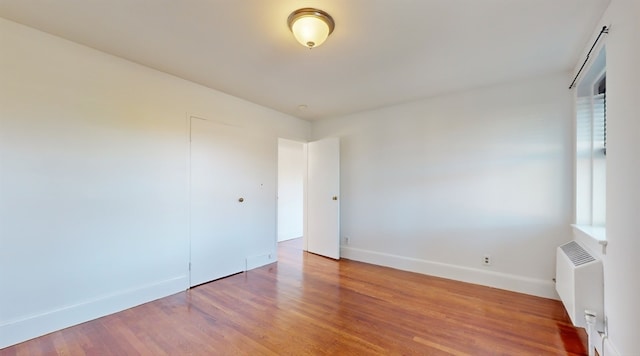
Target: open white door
{"points": [[323, 192]]}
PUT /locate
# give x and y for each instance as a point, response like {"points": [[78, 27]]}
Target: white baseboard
{"points": [[32, 326], [259, 261], [281, 239], [537, 287]]}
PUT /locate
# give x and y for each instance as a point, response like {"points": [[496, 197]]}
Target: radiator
{"points": [[580, 283]]}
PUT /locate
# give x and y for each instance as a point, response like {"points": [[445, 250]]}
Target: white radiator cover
{"points": [[580, 283]]}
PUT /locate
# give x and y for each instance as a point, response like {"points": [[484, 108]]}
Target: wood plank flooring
{"points": [[309, 305]]}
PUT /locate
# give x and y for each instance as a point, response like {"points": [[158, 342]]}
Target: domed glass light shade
{"points": [[310, 27]]}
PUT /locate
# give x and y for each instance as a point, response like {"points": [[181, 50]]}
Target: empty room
{"points": [[305, 177]]}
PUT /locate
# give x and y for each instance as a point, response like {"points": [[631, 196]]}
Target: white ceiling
{"points": [[382, 52]]}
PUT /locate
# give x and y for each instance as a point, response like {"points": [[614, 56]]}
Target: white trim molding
{"points": [[526, 285], [15, 331]]}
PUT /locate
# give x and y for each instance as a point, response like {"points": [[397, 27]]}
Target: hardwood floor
{"points": [[309, 305]]}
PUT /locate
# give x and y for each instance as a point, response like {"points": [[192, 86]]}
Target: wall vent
{"points": [[577, 255]]}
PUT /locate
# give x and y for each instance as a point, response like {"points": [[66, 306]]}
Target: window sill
{"points": [[595, 235]]}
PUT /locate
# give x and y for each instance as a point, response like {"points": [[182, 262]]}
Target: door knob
{"points": [[335, 197], [241, 200]]}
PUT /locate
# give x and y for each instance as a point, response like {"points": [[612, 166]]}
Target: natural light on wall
{"points": [[591, 145]]}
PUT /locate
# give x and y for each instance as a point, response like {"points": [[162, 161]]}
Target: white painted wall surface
{"points": [[621, 264], [291, 166], [433, 185], [93, 180]]}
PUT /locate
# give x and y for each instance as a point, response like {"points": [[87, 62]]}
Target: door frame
{"points": [[305, 194]]}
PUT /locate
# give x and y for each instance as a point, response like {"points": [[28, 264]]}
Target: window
{"points": [[591, 134]]}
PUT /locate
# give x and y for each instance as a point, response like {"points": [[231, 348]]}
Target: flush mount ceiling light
{"points": [[310, 26]]}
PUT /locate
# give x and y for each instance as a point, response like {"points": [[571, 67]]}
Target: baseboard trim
{"points": [[259, 261], [526, 285], [16, 331]]}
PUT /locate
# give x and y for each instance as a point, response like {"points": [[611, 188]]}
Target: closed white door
{"points": [[323, 197], [227, 198]]}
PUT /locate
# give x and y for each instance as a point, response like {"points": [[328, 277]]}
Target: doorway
{"points": [[308, 194], [291, 177]]}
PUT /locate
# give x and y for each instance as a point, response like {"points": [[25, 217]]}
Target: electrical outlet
{"points": [[347, 240], [486, 260]]}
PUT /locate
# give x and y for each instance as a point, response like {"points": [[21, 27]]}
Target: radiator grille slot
{"points": [[576, 253]]}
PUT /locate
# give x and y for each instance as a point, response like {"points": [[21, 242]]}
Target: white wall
{"points": [[93, 179], [622, 284], [291, 166], [433, 185], [93, 155]]}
